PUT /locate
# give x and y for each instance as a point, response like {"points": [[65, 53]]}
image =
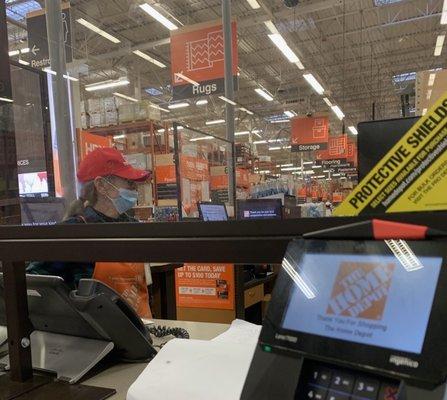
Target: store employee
{"points": [[109, 191]]}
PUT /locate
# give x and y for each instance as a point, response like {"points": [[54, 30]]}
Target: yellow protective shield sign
{"points": [[413, 174]]}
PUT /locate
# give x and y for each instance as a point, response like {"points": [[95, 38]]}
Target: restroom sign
{"points": [[197, 60]]}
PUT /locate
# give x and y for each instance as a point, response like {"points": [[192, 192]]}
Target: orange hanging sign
{"points": [[197, 55]]}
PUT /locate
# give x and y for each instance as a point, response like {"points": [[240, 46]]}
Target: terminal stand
{"points": [[68, 357]]}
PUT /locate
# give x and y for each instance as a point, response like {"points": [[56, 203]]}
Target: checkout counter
{"points": [[348, 319]]}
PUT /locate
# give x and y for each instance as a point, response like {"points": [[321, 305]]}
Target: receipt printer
{"points": [[355, 320]]}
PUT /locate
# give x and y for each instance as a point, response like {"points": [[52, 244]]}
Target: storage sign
{"points": [[310, 134], [413, 174]]}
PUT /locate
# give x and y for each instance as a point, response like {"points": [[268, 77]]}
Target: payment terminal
{"points": [[355, 320]]}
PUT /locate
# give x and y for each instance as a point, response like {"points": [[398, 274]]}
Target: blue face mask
{"points": [[126, 200]]}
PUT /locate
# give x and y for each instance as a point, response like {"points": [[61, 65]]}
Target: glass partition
{"points": [[314, 112]]}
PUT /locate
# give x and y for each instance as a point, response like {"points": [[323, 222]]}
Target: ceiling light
{"points": [[158, 108], [23, 62], [14, 53], [149, 58], [247, 111], [317, 166], [280, 121], [202, 102], [215, 122], [178, 105], [300, 65], [254, 4], [338, 112], [431, 79], [71, 78], [106, 85], [49, 71], [242, 133], [353, 130], [274, 148], [123, 96], [201, 138], [320, 176], [282, 45], [444, 13], [314, 83], [327, 101], [271, 27], [186, 79], [429, 92], [227, 100], [6, 100], [307, 162], [162, 130], [424, 111], [160, 18], [286, 147], [97, 30], [264, 94], [260, 142], [336, 174], [439, 45], [25, 50], [119, 137], [290, 114]]}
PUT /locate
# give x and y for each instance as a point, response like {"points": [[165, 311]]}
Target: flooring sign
{"points": [[412, 176]]}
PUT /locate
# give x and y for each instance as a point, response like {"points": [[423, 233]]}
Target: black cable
{"points": [[162, 331]]}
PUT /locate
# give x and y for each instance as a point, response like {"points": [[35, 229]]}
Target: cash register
{"points": [[355, 320]]}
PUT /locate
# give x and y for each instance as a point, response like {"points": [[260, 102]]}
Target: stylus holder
{"points": [[69, 357]]}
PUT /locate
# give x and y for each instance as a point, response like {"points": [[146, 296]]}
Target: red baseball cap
{"points": [[108, 161]]}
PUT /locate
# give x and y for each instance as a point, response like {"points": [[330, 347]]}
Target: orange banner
{"points": [[205, 286], [309, 134], [90, 142], [197, 54], [165, 174], [221, 181], [195, 169]]}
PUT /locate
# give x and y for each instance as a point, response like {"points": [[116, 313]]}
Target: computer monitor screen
{"points": [[370, 299], [259, 209], [213, 212], [48, 211]]}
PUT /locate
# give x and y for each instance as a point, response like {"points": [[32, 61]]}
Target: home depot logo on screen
{"points": [[361, 290]]}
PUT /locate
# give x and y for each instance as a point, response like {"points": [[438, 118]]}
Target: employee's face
{"points": [[110, 186]]}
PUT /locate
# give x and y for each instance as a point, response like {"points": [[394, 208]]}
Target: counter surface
{"points": [[121, 376]]}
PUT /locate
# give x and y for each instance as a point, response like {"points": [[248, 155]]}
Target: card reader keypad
{"points": [[322, 382]]}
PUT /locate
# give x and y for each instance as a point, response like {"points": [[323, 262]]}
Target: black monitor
{"points": [[212, 211], [376, 138], [44, 211], [259, 209], [362, 304]]}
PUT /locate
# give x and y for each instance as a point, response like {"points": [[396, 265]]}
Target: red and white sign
{"points": [[90, 142], [197, 55], [310, 133]]}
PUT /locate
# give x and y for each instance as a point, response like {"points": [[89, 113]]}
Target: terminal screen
{"points": [[213, 212], [375, 300], [260, 209]]}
